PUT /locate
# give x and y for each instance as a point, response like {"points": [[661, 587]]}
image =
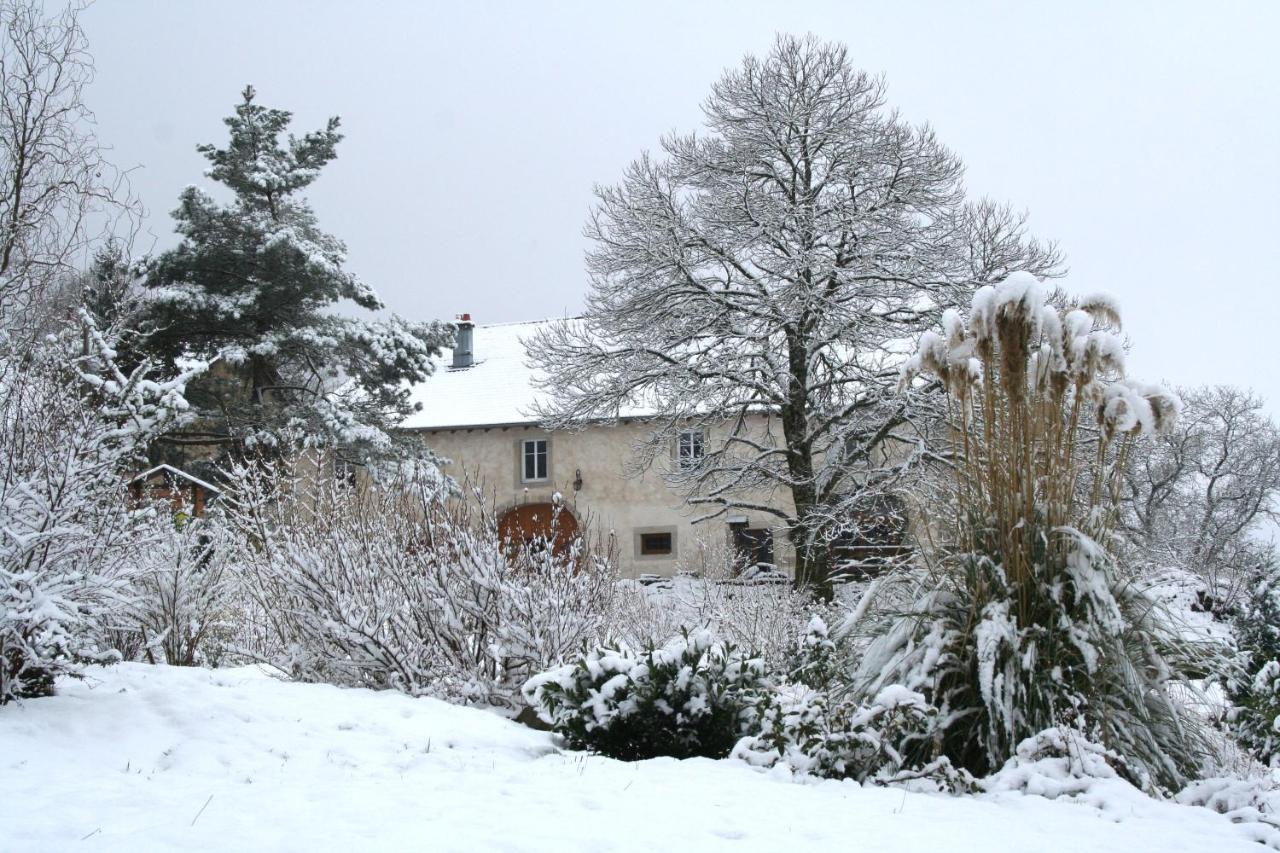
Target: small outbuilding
{"points": [[188, 493]]}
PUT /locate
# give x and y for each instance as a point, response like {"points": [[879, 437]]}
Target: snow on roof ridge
{"points": [[523, 322], [179, 472]]}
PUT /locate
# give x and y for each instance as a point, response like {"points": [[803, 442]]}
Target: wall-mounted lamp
{"points": [[577, 479]]}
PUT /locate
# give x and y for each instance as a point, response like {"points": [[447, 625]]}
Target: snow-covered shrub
{"points": [[763, 616], [817, 733], [810, 727], [817, 662], [693, 696], [72, 418], [1255, 691], [395, 584], [1255, 719], [1251, 802], [71, 425], [182, 595], [1057, 762], [1023, 622]]}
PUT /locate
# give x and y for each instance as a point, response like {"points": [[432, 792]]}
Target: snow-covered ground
{"points": [[157, 758]]}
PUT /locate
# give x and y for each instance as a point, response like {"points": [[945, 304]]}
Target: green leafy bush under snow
{"points": [[808, 727], [1256, 719], [1256, 716], [694, 696]]}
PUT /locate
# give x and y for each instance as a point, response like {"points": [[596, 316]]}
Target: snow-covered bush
{"points": [[764, 617], [72, 420], [1254, 718], [1057, 762], [693, 696], [1023, 622], [809, 725], [71, 424], [395, 585], [1251, 802], [182, 596], [817, 733]]}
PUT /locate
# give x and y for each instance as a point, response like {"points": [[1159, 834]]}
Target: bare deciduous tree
{"points": [[56, 189], [1197, 500], [770, 271], [72, 419]]}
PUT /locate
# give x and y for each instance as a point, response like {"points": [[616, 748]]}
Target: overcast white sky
{"points": [[1144, 136]]}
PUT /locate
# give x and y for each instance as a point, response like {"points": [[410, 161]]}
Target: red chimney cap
{"points": [[466, 318]]}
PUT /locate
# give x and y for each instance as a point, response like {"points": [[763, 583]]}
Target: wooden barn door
{"points": [[535, 525]]}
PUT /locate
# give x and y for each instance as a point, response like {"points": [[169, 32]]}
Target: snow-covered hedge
{"points": [[693, 696], [391, 585]]}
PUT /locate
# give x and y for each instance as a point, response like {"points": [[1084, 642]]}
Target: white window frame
{"points": [[529, 451], [691, 449]]}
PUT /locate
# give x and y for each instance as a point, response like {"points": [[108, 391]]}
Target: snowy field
{"points": [[157, 758]]}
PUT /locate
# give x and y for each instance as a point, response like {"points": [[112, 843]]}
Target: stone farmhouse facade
{"points": [[476, 413]]}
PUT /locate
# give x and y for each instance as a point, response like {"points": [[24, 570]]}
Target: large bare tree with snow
{"points": [[771, 267], [1201, 499], [57, 192], [72, 420]]}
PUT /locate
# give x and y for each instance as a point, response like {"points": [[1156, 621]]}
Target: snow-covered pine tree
{"points": [[770, 268], [255, 283]]}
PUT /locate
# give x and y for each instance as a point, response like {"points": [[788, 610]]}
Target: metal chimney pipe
{"points": [[463, 344]]}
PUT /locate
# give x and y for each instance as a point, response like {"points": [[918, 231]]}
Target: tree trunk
{"points": [[264, 376], [813, 564], [811, 560]]}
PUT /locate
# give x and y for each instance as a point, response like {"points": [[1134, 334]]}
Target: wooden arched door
{"points": [[535, 525]]}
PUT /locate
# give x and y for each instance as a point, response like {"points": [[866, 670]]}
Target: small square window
{"points": [[689, 450], [344, 471], [534, 460], [655, 544]]}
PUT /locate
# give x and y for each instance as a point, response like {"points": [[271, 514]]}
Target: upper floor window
{"points": [[534, 460], [344, 471], [689, 450]]}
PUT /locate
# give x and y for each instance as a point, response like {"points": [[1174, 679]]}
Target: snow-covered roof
{"points": [[176, 472], [497, 389]]}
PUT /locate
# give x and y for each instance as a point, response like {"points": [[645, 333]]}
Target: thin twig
{"points": [[202, 808]]}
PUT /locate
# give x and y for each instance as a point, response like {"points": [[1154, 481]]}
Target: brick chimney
{"points": [[463, 354]]}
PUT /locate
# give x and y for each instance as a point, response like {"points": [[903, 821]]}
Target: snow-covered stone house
{"points": [[476, 412]]}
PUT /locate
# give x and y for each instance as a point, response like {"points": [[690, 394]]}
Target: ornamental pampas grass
{"points": [[1021, 623]]}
